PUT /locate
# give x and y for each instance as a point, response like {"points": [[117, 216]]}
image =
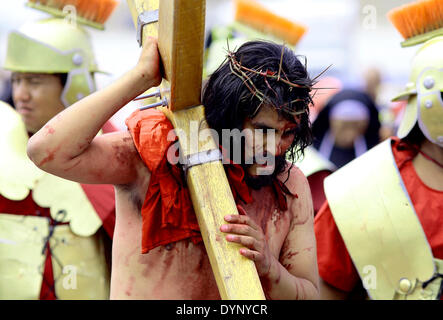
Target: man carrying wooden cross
{"points": [[261, 88]]}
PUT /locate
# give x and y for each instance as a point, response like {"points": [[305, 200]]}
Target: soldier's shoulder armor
{"points": [[379, 225]]}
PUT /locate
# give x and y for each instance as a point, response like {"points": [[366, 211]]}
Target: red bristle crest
{"points": [[398, 20], [62, 4], [438, 5], [96, 10], [71, 3], [430, 15], [83, 9], [109, 7], [100, 11], [417, 18]]}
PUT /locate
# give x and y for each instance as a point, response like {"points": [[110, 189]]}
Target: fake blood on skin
{"points": [[299, 218], [128, 291], [121, 152], [287, 254], [166, 256], [167, 262], [291, 254], [267, 283], [50, 155], [49, 129], [285, 142], [267, 212]]}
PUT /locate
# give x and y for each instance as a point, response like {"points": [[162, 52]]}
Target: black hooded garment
{"points": [[321, 126]]}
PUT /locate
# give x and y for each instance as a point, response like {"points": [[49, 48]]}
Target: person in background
{"points": [[346, 127], [327, 88], [55, 234], [313, 164], [380, 230], [372, 79], [5, 87]]}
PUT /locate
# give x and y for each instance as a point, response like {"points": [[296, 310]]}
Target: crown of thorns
{"points": [[245, 74]]}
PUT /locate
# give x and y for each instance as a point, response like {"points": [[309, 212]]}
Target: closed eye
{"points": [[290, 132], [265, 129]]}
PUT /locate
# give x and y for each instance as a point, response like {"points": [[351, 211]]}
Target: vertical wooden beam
{"points": [[181, 40], [236, 276]]}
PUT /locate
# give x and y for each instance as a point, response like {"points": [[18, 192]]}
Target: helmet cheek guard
{"points": [[430, 104], [79, 84], [409, 117], [424, 93]]}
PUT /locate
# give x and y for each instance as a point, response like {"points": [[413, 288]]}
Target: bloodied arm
{"points": [[67, 145], [294, 274]]}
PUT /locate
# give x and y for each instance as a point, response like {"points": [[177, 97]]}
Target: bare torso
{"points": [[180, 270]]}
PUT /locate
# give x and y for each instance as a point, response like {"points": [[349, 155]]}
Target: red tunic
{"points": [[101, 198], [315, 181], [334, 263]]}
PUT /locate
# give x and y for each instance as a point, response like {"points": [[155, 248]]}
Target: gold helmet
{"points": [[424, 93], [420, 22], [54, 46]]}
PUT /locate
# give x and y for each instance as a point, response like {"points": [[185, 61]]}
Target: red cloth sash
{"points": [[167, 212]]}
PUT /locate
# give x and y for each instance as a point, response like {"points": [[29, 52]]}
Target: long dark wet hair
{"points": [[229, 100]]}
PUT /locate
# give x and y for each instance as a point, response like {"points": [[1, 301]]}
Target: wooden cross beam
{"points": [[180, 32]]}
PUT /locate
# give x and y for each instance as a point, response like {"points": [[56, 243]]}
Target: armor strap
{"points": [[22, 239], [379, 225], [79, 264]]}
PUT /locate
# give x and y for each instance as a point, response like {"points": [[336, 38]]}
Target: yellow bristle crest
{"points": [[417, 18], [253, 14]]}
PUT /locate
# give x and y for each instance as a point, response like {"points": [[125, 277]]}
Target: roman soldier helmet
{"points": [[424, 93], [55, 45], [424, 89]]}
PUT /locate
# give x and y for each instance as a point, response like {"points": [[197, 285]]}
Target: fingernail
{"points": [[224, 228], [228, 218]]}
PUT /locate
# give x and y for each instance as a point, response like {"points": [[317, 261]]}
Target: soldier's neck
{"points": [[429, 171]]}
